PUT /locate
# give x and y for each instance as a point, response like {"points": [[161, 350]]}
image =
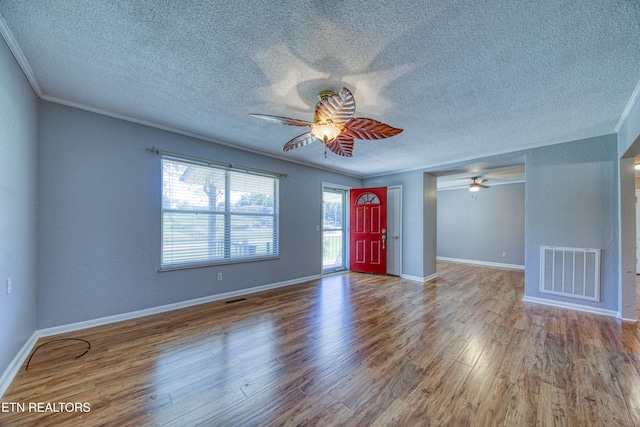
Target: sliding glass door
{"points": [[334, 232]]}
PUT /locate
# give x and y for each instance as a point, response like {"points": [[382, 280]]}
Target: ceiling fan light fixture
{"points": [[334, 125], [325, 132], [476, 185]]}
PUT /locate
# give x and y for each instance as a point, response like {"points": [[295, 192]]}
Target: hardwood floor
{"points": [[349, 349]]}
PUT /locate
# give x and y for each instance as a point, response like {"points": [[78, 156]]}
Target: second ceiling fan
{"points": [[476, 184]]}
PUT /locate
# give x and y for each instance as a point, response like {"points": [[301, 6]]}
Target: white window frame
{"points": [[230, 255]]}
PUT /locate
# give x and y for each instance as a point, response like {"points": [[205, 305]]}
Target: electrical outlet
{"points": [[9, 286], [504, 254], [219, 277]]}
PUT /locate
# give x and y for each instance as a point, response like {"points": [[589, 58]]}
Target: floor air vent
{"points": [[235, 300], [572, 272]]}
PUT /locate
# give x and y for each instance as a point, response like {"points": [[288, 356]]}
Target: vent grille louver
{"points": [[571, 272]]}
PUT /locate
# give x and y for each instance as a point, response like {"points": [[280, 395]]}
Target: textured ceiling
{"points": [[464, 79]]}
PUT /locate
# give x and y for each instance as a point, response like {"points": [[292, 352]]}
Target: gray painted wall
{"points": [[18, 176], [481, 226], [99, 219], [572, 200]]}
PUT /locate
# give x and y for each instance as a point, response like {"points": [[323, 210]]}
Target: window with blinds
{"points": [[215, 215]]}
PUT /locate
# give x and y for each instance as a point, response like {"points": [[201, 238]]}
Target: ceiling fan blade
{"points": [[299, 141], [336, 109], [363, 128], [282, 120], [342, 146]]}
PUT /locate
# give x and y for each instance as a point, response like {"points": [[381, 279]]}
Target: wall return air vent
{"points": [[570, 272]]}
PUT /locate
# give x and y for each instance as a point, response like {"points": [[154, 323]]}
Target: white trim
{"points": [[627, 110], [12, 370], [20, 58], [419, 279], [399, 209], [484, 263], [169, 307], [346, 227], [431, 277], [571, 306], [335, 186]]}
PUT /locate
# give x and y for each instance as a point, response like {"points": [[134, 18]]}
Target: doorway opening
{"points": [[334, 231]]}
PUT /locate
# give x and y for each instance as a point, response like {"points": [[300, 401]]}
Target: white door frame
{"points": [[394, 216], [637, 231], [345, 225]]}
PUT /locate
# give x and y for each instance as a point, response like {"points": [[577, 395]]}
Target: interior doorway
{"points": [[334, 228], [627, 234], [637, 231]]}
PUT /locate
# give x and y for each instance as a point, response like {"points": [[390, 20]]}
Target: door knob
{"points": [[396, 237]]}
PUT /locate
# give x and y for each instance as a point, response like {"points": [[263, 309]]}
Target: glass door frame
{"points": [[344, 192]]}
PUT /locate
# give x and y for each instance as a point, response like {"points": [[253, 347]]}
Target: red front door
{"points": [[368, 230]]}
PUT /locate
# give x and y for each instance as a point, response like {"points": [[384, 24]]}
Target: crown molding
{"points": [[183, 132], [627, 110], [20, 58]]}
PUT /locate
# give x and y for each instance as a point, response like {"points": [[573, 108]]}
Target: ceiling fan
{"points": [[334, 125], [477, 185]]}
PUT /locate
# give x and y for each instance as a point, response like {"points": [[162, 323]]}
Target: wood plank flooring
{"points": [[348, 350]]}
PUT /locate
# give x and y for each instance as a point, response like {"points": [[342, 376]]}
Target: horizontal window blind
{"points": [[214, 215]]}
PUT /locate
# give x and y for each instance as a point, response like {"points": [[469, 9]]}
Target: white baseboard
{"points": [[9, 374], [419, 279], [571, 306], [169, 307], [484, 263], [13, 368]]}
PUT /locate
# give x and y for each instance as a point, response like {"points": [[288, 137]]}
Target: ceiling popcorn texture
{"points": [[464, 79]]}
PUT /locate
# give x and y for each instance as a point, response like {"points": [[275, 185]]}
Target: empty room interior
{"points": [[319, 213]]}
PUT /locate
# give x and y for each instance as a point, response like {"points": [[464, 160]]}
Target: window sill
{"points": [[215, 264]]}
